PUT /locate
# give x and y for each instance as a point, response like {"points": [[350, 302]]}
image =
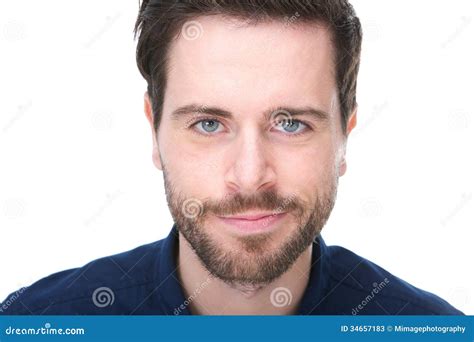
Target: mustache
{"points": [[268, 200]]}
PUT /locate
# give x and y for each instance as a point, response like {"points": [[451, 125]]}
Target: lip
{"points": [[253, 217], [253, 223]]}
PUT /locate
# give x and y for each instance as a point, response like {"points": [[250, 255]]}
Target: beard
{"points": [[251, 264]]}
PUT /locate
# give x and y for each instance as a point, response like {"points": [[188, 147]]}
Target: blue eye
{"points": [[290, 126], [208, 125]]}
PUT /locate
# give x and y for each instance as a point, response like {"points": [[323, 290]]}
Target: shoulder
{"points": [[86, 289], [371, 290]]}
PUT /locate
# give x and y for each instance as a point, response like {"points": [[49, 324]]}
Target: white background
{"points": [[77, 181]]}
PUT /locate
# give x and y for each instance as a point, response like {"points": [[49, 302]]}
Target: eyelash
{"points": [[191, 127]]}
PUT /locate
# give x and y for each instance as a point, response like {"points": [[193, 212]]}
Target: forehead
{"points": [[246, 68]]}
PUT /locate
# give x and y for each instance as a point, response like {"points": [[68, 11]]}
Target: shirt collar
{"points": [[170, 295]]}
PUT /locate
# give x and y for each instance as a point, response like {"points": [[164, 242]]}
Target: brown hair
{"points": [[160, 21]]}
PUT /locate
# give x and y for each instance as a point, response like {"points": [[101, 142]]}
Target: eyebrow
{"points": [[190, 109]]}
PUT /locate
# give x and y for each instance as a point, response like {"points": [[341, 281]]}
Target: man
{"points": [[250, 105]]}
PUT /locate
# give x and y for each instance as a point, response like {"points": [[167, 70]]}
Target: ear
{"points": [[149, 115], [351, 123]]}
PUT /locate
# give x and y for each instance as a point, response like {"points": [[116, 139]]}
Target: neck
{"points": [[209, 295]]}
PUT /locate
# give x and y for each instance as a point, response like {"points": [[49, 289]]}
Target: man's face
{"points": [[265, 136]]}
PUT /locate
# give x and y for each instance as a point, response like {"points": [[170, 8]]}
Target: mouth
{"points": [[253, 222], [250, 216]]}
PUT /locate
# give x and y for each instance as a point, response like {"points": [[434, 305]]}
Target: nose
{"points": [[252, 165]]}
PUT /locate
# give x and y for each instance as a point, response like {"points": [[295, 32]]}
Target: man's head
{"points": [[250, 104]]}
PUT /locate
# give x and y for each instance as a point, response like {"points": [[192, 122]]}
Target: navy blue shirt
{"points": [[144, 281]]}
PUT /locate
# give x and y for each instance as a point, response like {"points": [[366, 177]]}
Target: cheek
{"points": [[193, 172], [310, 166], [307, 173]]}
